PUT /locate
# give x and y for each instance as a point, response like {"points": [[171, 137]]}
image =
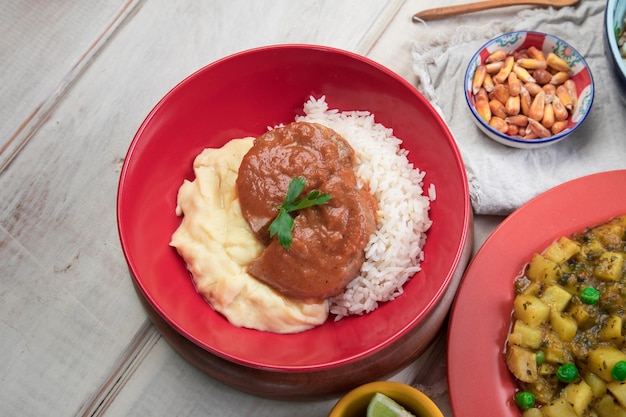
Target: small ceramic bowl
{"points": [[520, 41], [613, 26], [354, 403]]}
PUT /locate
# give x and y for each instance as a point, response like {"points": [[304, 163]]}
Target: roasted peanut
{"points": [[542, 76]]}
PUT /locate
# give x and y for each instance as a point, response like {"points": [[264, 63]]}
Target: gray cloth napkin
{"points": [[503, 178]]}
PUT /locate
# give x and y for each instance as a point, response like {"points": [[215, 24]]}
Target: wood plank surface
{"points": [[44, 47], [77, 80], [69, 314]]}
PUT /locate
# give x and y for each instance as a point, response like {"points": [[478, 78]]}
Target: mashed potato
{"points": [[217, 245]]}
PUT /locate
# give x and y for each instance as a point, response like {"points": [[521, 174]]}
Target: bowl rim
{"points": [[392, 389], [611, 39], [520, 142], [406, 328]]}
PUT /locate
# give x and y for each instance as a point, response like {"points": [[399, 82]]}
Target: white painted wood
{"points": [[44, 46], [77, 79]]}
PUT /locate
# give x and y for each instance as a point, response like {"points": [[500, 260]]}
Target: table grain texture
{"points": [[77, 79]]}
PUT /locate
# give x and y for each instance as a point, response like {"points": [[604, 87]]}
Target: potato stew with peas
{"points": [[566, 347]]}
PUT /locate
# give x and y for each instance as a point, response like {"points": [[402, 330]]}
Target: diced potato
{"points": [[533, 288], [522, 363], [556, 351], [561, 250], [618, 389], [543, 269], [607, 407], [580, 314], [564, 326], [525, 335], [597, 384], [556, 297], [601, 360], [592, 249], [532, 412], [531, 310], [610, 266], [556, 354], [559, 408], [612, 330], [579, 396], [547, 369], [609, 234]]}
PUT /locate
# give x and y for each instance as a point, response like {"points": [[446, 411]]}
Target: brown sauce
{"points": [[328, 240]]}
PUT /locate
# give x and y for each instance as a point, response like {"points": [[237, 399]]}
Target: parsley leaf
{"points": [[283, 223]]}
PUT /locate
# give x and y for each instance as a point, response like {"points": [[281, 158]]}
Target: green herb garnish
{"points": [[283, 223]]}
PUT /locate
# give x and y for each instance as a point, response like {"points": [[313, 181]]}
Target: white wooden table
{"points": [[76, 80]]}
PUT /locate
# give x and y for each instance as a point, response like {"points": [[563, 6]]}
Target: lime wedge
{"points": [[382, 406]]}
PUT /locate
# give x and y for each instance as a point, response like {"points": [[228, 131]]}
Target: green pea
{"points": [[540, 357], [567, 372], [525, 400], [619, 371], [590, 295]]}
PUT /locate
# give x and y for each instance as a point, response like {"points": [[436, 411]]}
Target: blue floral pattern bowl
{"points": [[515, 42]]}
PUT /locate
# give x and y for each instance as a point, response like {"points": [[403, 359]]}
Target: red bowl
{"points": [[239, 96]]}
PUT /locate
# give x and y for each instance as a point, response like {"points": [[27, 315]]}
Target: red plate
{"points": [[479, 381]]}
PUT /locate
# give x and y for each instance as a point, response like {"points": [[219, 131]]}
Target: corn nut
{"points": [[497, 108], [526, 94], [479, 78], [557, 63], [535, 53]]}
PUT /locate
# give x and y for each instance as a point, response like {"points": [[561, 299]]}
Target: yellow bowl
{"points": [[354, 403]]}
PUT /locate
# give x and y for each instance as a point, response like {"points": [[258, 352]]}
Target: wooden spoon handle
{"points": [[440, 12]]}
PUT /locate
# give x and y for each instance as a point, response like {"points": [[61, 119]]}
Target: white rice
{"points": [[394, 252]]}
